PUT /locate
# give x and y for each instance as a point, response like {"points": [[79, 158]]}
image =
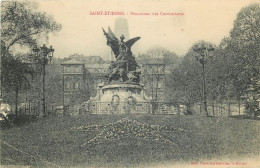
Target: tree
{"points": [[156, 62], [159, 55], [53, 87], [87, 59], [243, 46], [22, 27], [187, 79], [16, 75], [185, 84], [180, 88]]}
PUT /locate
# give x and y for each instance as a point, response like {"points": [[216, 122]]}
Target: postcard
{"points": [[128, 83]]}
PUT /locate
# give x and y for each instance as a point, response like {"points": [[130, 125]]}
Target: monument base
{"points": [[119, 99]]}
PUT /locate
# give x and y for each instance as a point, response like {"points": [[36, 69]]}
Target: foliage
{"points": [[16, 75], [243, 48], [187, 78], [232, 72], [22, 27], [161, 55], [184, 86], [87, 59], [53, 86], [15, 72], [156, 64]]}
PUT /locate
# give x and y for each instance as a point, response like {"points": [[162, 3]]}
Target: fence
{"points": [[159, 108], [137, 108], [32, 109], [230, 109]]}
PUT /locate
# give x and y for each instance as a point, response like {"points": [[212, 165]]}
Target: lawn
{"points": [[103, 140]]}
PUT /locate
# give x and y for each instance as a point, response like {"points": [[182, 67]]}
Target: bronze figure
{"points": [[124, 69]]}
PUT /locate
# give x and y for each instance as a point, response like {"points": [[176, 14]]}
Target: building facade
{"points": [[74, 87], [95, 75], [80, 81]]}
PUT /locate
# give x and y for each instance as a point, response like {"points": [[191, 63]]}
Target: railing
{"points": [[230, 109], [156, 108], [33, 109], [137, 108]]}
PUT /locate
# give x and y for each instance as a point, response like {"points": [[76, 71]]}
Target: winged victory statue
{"points": [[124, 69]]}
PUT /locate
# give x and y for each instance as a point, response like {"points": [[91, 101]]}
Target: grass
{"points": [[47, 142]]}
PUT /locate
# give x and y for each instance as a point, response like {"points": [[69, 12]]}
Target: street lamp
{"points": [[203, 50], [43, 55]]}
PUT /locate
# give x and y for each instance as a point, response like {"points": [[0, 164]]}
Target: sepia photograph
{"points": [[130, 84]]}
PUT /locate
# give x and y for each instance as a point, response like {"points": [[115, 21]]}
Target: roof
{"points": [[151, 62], [97, 66], [72, 62]]}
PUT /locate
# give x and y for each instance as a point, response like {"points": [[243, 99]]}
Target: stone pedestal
{"points": [[118, 99]]}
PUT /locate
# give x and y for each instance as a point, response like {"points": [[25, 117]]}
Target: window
{"points": [[76, 85], [160, 84], [79, 69], [67, 85], [73, 68], [66, 69], [76, 68]]}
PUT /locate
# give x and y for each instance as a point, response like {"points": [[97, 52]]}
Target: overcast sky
{"points": [[81, 32]]}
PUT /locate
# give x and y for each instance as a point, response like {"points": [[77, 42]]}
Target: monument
{"points": [[122, 91]]}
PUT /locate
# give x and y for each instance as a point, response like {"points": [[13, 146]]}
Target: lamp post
{"points": [[43, 56], [203, 51]]}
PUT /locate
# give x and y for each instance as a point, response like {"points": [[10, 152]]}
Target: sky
{"points": [[81, 33]]}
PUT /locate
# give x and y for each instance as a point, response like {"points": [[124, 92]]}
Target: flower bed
{"points": [[127, 128]]}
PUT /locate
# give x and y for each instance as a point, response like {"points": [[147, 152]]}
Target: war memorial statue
{"points": [[125, 68], [121, 92]]}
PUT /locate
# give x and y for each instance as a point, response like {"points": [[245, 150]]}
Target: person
{"points": [[4, 110], [123, 49]]}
